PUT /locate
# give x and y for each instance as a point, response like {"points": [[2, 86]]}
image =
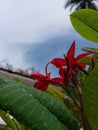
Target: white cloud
{"points": [[14, 55], [31, 21]]}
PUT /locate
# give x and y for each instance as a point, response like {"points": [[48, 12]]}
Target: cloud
{"points": [[24, 22], [31, 21], [13, 55]]}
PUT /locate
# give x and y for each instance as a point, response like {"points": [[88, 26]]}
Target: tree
{"points": [[82, 4]]}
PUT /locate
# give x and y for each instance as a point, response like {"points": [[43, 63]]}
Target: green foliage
{"points": [[38, 110], [81, 4], [90, 49], [87, 60], [59, 109], [90, 98], [17, 79], [10, 121], [85, 22]]}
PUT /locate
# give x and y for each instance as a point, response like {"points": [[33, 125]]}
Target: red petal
{"points": [[71, 51], [38, 76], [41, 85], [82, 69], [62, 72], [48, 75], [81, 65], [92, 62], [57, 79], [82, 56], [58, 62], [70, 56]]}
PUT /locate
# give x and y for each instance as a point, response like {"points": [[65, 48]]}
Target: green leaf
{"points": [[62, 113], [34, 108], [9, 120], [90, 98], [85, 22], [90, 49], [15, 94], [25, 108]]}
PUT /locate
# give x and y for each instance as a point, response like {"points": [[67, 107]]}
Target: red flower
{"points": [[43, 81], [70, 65]]}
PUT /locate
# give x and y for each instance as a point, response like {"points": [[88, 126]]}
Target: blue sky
{"points": [[33, 31]]}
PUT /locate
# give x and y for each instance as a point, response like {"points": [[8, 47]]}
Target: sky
{"points": [[34, 31]]}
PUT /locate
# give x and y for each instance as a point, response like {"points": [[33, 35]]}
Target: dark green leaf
{"points": [[26, 108], [35, 108]]}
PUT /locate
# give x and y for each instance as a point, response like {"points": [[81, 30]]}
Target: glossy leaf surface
{"points": [[85, 22], [34, 108]]}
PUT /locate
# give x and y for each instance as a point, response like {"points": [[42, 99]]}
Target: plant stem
{"points": [[84, 119], [73, 98]]}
